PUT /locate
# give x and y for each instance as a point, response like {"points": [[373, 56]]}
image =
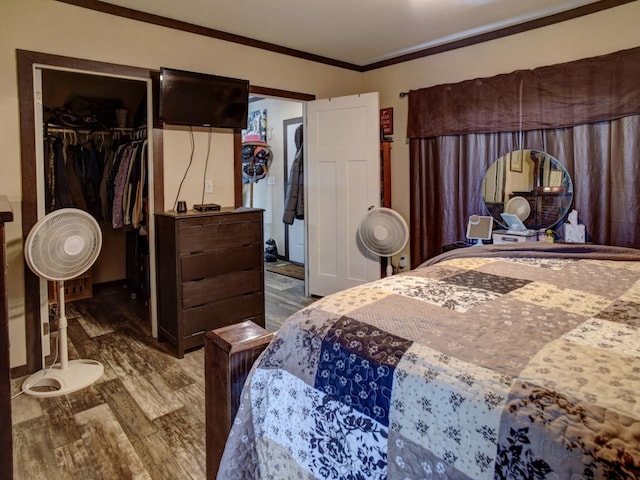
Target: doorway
{"points": [[277, 116], [95, 125]]}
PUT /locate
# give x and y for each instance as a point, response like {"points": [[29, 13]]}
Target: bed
{"points": [[518, 362]]}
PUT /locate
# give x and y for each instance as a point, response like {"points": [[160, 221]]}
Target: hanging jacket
{"points": [[294, 201]]}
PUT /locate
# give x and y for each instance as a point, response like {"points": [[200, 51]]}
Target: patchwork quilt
{"points": [[490, 362]]}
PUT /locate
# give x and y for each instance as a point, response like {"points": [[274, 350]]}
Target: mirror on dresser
{"points": [[530, 184]]}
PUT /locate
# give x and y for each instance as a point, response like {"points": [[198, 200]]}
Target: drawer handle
{"points": [[509, 239]]}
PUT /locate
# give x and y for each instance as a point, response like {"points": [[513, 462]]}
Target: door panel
{"points": [[343, 181]]}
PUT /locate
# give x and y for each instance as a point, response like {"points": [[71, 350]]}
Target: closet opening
{"points": [[81, 109], [95, 157]]}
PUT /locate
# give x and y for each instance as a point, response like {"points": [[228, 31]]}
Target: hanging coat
{"points": [[294, 201]]}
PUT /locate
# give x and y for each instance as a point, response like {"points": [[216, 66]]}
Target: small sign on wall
{"points": [[386, 121]]}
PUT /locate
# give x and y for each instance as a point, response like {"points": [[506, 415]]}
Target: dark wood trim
{"points": [[158, 170], [229, 37], [6, 437], [237, 168], [274, 92], [206, 32], [26, 61], [52, 60]]}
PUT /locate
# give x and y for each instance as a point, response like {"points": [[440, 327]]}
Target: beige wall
{"points": [[597, 34], [56, 28], [52, 27]]}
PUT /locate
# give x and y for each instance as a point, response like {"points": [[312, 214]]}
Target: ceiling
{"points": [[364, 33]]}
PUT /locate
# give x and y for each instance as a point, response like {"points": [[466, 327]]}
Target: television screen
{"points": [[199, 99]]}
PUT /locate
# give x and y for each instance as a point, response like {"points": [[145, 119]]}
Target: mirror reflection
{"points": [[530, 184]]}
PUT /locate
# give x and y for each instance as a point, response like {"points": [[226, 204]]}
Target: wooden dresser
{"points": [[210, 273]]}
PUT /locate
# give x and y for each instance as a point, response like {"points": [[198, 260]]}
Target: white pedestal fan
{"points": [[384, 232], [61, 246]]}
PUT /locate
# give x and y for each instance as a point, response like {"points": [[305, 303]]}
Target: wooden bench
{"points": [[229, 354]]}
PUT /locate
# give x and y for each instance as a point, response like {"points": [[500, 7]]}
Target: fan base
{"points": [[54, 381]]}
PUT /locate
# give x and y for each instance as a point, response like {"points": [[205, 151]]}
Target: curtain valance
{"points": [[574, 93]]}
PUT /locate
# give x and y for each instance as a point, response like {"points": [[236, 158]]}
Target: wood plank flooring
{"points": [[144, 418]]}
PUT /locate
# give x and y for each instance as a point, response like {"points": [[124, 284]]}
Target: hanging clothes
{"points": [[106, 179], [91, 160], [63, 188], [294, 201]]}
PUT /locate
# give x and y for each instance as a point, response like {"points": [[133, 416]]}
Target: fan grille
{"points": [[63, 244], [383, 232], [518, 206]]}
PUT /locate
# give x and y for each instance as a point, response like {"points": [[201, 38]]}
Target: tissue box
{"points": [[574, 233]]}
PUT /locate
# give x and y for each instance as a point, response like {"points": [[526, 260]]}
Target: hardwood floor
{"points": [[144, 419], [283, 297]]}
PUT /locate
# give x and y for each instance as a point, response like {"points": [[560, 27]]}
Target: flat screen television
{"points": [[199, 99]]}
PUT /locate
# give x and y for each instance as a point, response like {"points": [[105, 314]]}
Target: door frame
{"points": [[26, 62]]}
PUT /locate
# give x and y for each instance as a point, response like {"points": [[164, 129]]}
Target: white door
{"points": [[342, 142]]}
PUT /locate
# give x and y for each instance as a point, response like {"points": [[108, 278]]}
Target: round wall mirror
{"points": [[530, 184]]}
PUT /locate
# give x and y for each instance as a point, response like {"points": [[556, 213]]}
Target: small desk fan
{"points": [[61, 246], [518, 206], [384, 232]]}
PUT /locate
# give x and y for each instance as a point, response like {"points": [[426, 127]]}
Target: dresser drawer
{"points": [[212, 289], [219, 262], [205, 237], [224, 312]]}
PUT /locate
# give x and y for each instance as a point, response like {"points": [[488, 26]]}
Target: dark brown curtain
{"points": [[583, 113]]}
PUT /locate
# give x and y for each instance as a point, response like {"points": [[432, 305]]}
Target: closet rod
{"points": [[84, 131]]}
